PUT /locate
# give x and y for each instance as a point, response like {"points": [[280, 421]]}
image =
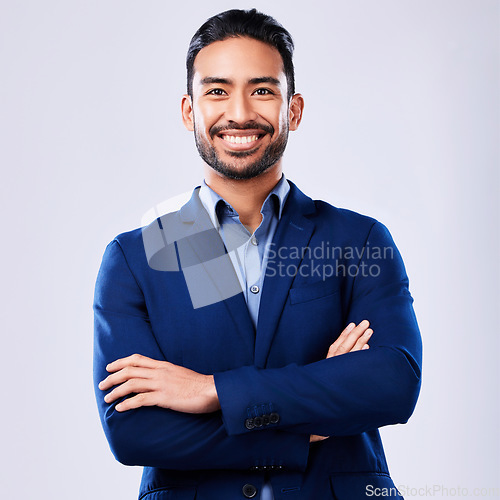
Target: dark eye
{"points": [[216, 92], [263, 92]]}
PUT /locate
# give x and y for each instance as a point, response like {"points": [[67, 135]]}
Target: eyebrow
{"points": [[265, 79], [208, 80]]}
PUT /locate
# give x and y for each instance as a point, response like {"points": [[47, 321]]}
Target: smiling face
{"points": [[239, 109]]}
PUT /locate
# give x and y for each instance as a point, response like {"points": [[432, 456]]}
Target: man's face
{"points": [[239, 110]]}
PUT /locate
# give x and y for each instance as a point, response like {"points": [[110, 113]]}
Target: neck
{"points": [[246, 196]]}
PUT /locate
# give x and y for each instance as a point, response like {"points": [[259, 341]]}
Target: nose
{"points": [[240, 108]]}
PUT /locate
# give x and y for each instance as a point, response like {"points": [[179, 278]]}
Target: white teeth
{"points": [[237, 139]]}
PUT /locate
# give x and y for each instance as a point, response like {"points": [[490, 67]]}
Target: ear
{"points": [[187, 112], [296, 108]]}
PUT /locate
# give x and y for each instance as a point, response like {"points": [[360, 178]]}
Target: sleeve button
{"points": [[257, 421], [249, 423], [274, 418]]}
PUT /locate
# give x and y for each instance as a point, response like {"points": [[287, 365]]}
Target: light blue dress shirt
{"points": [[248, 251]]}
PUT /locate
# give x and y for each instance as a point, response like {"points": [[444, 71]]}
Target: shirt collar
{"points": [[212, 200]]}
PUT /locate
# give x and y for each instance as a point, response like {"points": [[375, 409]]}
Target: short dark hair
{"points": [[241, 23]]}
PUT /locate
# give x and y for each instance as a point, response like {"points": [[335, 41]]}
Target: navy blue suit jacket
{"points": [[275, 386]]}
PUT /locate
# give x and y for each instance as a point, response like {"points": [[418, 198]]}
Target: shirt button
{"points": [[254, 241], [254, 289], [249, 490]]}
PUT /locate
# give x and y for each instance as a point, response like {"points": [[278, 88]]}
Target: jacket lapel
{"points": [[292, 236], [202, 251]]}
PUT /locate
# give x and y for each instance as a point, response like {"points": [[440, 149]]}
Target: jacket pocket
{"points": [[174, 493], [313, 291], [363, 486]]}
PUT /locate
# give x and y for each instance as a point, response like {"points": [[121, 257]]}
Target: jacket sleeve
{"points": [[353, 392], [158, 437]]}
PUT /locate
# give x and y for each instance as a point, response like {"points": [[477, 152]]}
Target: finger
{"points": [[130, 387], [123, 375], [366, 346], [333, 348], [133, 360], [350, 332], [352, 337], [347, 330], [314, 438], [362, 341], [143, 399]]}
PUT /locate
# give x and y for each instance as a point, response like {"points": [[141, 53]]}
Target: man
{"points": [[231, 337]]}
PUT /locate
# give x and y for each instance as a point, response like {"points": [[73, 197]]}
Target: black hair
{"points": [[240, 23]]}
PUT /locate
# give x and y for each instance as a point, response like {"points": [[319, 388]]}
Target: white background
{"points": [[401, 123]]}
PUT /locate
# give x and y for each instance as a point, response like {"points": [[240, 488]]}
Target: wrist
{"points": [[211, 396]]}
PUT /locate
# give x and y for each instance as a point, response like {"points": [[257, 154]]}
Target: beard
{"points": [[271, 155]]}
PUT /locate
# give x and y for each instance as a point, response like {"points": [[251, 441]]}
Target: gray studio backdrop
{"points": [[401, 122]]}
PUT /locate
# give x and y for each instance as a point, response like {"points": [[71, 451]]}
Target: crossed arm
{"points": [[164, 384], [176, 408]]}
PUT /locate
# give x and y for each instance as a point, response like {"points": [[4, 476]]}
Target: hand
{"points": [[353, 338], [159, 383]]}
